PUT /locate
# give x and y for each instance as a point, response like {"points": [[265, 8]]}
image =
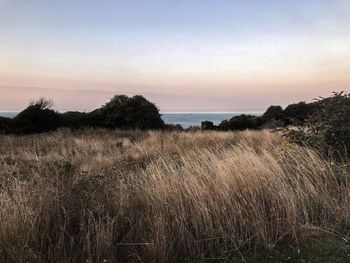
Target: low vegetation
{"points": [[120, 112], [142, 196], [73, 192], [328, 129], [323, 124], [296, 114]]}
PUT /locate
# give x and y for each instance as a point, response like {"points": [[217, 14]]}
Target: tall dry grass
{"points": [[103, 196]]}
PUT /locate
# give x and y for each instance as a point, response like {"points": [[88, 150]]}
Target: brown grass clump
{"points": [[103, 196]]}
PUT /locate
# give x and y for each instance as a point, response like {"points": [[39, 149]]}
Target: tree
{"points": [[121, 112], [297, 113], [273, 112], [37, 117], [207, 125], [327, 129], [241, 122], [130, 113]]}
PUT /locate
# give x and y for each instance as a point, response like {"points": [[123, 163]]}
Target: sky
{"points": [[198, 55]]}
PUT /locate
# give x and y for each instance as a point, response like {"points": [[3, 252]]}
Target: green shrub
{"points": [[327, 129], [298, 113]]}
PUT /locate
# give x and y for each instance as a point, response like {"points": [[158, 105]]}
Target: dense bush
{"points": [[298, 113], [120, 112], [37, 117], [6, 125], [272, 113], [328, 128], [274, 117], [76, 119], [208, 125], [130, 113], [241, 122]]}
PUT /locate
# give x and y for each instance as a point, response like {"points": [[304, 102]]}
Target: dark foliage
{"points": [[328, 128], [297, 113], [120, 112], [36, 118], [6, 125], [241, 122], [272, 113], [274, 117], [129, 113], [208, 125], [76, 120], [173, 127]]}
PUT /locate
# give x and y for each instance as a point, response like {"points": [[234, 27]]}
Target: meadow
{"points": [[156, 196]]}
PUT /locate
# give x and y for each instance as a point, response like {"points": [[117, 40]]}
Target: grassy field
{"points": [[114, 196]]}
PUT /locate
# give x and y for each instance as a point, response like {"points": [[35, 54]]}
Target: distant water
{"points": [[8, 114], [194, 119]]}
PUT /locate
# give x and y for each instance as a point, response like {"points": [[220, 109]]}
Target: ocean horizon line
{"points": [[207, 112], [176, 112]]}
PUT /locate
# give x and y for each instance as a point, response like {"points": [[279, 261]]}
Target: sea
{"points": [[185, 119], [8, 114], [188, 119]]}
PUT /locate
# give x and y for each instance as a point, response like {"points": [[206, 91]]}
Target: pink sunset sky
{"points": [[212, 56]]}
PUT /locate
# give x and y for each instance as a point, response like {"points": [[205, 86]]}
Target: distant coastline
{"points": [[213, 112], [188, 119], [185, 119], [8, 114]]}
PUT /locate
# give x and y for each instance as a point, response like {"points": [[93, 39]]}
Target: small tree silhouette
{"points": [[43, 104], [38, 117]]}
